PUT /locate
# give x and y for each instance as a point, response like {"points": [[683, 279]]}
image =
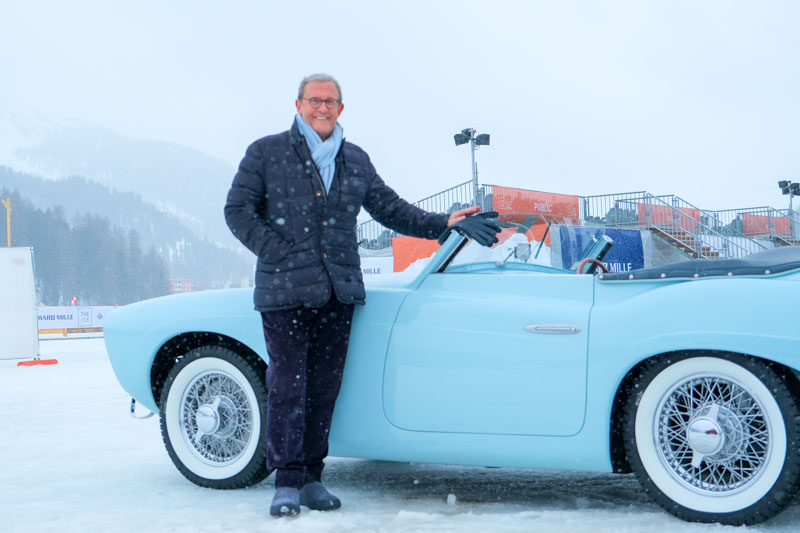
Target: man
{"points": [[294, 203]]}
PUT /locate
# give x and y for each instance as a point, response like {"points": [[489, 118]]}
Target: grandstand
{"points": [[672, 228]]}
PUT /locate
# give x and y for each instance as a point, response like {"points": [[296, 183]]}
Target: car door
{"points": [[490, 352]]}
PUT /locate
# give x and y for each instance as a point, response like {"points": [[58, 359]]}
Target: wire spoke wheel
{"points": [[713, 435], [212, 418], [709, 437], [217, 418]]}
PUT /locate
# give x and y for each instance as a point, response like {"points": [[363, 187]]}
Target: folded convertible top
{"points": [[774, 261]]}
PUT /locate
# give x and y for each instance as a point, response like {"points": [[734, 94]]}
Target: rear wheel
{"points": [[213, 414], [715, 438]]}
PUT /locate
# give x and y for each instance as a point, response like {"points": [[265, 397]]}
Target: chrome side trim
{"points": [[553, 329]]}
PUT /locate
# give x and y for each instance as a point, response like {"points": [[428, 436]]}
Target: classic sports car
{"points": [[685, 374]]}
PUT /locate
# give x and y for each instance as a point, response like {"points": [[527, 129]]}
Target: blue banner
{"points": [[626, 254]]}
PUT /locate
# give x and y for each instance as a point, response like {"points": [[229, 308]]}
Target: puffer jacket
{"points": [[303, 236]]}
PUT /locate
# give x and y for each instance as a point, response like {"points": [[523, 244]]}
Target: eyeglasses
{"points": [[315, 102]]}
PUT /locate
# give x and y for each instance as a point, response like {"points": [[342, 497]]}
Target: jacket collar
{"points": [[294, 134]]}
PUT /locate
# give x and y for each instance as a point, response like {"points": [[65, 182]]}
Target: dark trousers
{"points": [[307, 349]]}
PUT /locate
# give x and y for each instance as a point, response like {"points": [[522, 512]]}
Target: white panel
{"points": [[84, 316], [19, 334]]}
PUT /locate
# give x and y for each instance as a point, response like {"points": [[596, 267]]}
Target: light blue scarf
{"points": [[322, 152]]}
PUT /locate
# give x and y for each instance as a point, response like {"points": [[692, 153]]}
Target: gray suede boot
{"points": [[315, 496], [286, 502]]}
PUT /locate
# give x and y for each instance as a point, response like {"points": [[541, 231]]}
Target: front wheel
{"points": [[715, 438], [213, 418]]}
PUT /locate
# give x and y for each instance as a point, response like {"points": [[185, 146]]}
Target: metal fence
{"points": [[699, 232], [375, 236], [448, 200], [762, 221], [703, 233], [794, 223], [617, 210]]}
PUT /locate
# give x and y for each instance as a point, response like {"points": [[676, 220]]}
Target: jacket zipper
{"points": [[316, 172], [321, 183]]}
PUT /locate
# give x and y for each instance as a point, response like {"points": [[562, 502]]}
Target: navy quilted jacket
{"points": [[305, 238]]}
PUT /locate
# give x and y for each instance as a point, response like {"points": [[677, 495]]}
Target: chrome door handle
{"points": [[553, 329]]}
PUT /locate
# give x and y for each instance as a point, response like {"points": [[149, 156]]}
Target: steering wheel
{"points": [[593, 261]]}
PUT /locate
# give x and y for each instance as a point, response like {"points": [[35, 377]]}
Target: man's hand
{"points": [[461, 214], [482, 228]]}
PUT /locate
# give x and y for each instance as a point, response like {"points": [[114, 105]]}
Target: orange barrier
{"points": [[665, 215], [406, 250], [562, 207], [38, 362], [765, 225]]}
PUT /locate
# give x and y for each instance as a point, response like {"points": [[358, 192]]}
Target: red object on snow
{"points": [[38, 362]]}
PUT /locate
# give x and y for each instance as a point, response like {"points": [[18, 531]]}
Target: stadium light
{"points": [[482, 139], [467, 135], [461, 139]]}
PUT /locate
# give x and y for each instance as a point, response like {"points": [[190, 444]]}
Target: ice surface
{"points": [[73, 460]]}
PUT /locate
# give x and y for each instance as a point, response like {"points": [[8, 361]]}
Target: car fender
{"points": [[135, 333], [634, 321]]}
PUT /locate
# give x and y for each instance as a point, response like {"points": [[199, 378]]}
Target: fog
{"points": [[696, 99]]}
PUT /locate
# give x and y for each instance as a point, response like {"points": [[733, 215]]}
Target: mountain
{"points": [[182, 181], [185, 254]]}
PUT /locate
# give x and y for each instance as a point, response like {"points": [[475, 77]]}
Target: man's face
{"points": [[320, 118]]}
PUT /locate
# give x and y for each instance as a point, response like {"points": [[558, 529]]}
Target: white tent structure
{"points": [[19, 331]]}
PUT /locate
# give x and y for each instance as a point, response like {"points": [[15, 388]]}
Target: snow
{"points": [[73, 460]]}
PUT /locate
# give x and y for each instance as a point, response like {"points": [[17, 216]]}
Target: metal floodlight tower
{"points": [[467, 135], [792, 189]]}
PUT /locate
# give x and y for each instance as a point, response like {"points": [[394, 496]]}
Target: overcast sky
{"points": [[694, 98]]}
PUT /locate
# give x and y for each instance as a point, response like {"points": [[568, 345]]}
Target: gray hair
{"points": [[318, 77]]}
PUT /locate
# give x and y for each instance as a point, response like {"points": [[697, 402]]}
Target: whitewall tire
{"points": [[714, 437], [213, 418]]}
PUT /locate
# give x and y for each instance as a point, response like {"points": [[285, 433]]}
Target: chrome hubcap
{"points": [[705, 435], [712, 435], [207, 420]]}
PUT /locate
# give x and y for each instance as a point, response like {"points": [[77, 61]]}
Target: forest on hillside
{"points": [[186, 253], [87, 257]]}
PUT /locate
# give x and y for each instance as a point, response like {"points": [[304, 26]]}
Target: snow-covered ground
{"points": [[72, 460]]}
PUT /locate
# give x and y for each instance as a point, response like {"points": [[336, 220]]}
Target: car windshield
{"points": [[528, 242], [524, 243]]}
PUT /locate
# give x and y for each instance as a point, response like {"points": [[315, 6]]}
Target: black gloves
{"points": [[481, 227]]}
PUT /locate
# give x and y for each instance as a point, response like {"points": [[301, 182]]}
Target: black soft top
{"points": [[772, 261]]}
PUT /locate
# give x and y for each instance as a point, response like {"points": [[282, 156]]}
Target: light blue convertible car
{"points": [[685, 374]]}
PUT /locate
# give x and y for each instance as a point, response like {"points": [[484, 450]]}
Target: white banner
{"points": [[19, 338], [372, 266], [73, 317]]}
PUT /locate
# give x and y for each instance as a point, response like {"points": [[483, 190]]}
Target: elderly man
{"points": [[294, 203]]}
